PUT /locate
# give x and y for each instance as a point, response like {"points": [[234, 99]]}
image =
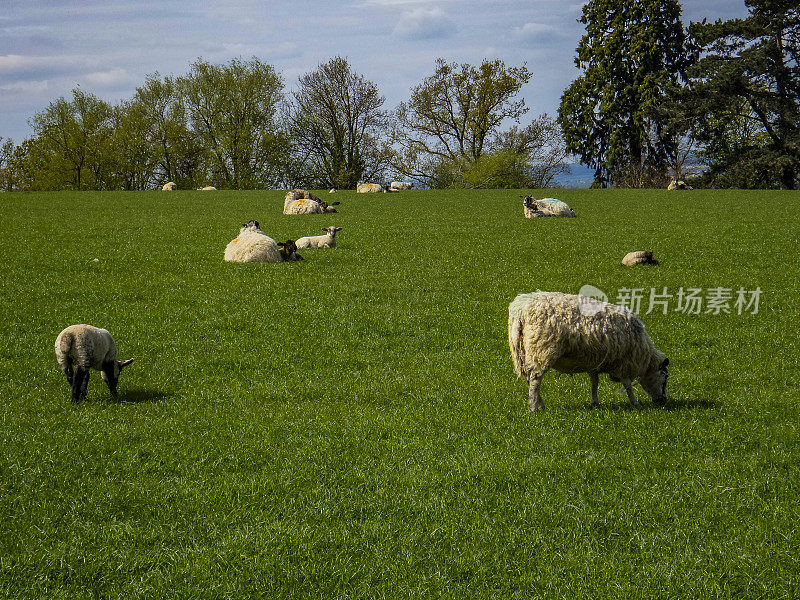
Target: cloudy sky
{"points": [[47, 47]]}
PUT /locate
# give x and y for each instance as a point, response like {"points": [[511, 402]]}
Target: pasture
{"points": [[350, 426]]}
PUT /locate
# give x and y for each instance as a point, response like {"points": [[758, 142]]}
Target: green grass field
{"points": [[350, 426]]}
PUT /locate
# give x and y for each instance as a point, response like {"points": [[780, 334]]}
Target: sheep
{"points": [[368, 188], [86, 347], [301, 202], [320, 241], [545, 207], [169, 186], [252, 245], [208, 188], [401, 185], [678, 184], [326, 207], [288, 251], [332, 191], [577, 334], [640, 257]]}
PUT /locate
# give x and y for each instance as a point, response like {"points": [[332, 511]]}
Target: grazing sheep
{"points": [[320, 241], [368, 188], [252, 245], [576, 334], [678, 184], [288, 251], [640, 257], [208, 188], [86, 347], [545, 207], [401, 185], [169, 186]]}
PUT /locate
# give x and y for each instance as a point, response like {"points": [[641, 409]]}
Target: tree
{"points": [[633, 57], [338, 124], [452, 116], [71, 143], [6, 165], [745, 96], [177, 150], [232, 109]]}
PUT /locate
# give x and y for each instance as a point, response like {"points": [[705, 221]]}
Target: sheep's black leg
{"points": [[77, 383], [108, 371], [595, 381], [69, 372]]}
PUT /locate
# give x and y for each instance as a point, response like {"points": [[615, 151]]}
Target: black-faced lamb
{"points": [[80, 348], [577, 334], [288, 251], [640, 257], [320, 241]]}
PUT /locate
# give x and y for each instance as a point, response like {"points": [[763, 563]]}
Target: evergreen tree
{"points": [[633, 57]]}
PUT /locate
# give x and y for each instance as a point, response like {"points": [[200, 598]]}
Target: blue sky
{"points": [[47, 47]]}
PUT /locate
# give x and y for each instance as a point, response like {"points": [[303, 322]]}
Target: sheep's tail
{"points": [[516, 343]]}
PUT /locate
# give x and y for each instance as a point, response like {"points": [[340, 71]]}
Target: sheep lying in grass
{"points": [[545, 207], [401, 185], [86, 347], [288, 251], [640, 257], [677, 184], [576, 334], [169, 186], [368, 188], [252, 245], [208, 188], [320, 241]]}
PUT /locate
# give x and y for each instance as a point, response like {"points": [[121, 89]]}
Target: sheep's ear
{"points": [[125, 363], [338, 229], [664, 364], [281, 243]]}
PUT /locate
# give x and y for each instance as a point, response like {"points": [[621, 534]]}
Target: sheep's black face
{"points": [[252, 223], [655, 383]]}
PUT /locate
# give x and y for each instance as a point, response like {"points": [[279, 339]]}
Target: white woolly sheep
{"points": [[86, 347], [252, 245], [368, 188], [301, 202], [545, 207], [332, 191], [401, 185], [677, 184], [320, 241], [640, 257], [169, 186], [577, 334], [208, 188]]}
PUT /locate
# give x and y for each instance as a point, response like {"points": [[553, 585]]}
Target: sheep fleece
{"points": [[549, 330], [88, 347], [252, 245]]}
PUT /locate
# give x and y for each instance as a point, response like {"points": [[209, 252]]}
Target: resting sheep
{"points": [[169, 186], [300, 202], [208, 188], [640, 257], [252, 245], [86, 347], [401, 185], [677, 184], [320, 241], [368, 188], [288, 251], [577, 334], [545, 207]]}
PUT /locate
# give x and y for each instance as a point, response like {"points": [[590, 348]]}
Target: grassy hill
{"points": [[350, 426]]}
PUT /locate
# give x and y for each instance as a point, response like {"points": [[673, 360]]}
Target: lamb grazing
{"points": [[208, 188], [299, 202], [169, 186], [678, 184], [252, 245], [401, 185], [368, 188], [545, 207], [577, 334], [320, 241], [640, 257], [288, 251], [85, 347]]}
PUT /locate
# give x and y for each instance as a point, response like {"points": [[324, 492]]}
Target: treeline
{"points": [[717, 104], [234, 127]]}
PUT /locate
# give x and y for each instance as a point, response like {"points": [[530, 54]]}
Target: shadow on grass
{"points": [[673, 404], [142, 396]]}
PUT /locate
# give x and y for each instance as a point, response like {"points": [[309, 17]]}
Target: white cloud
{"points": [[110, 78], [25, 88], [424, 24], [536, 33]]}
